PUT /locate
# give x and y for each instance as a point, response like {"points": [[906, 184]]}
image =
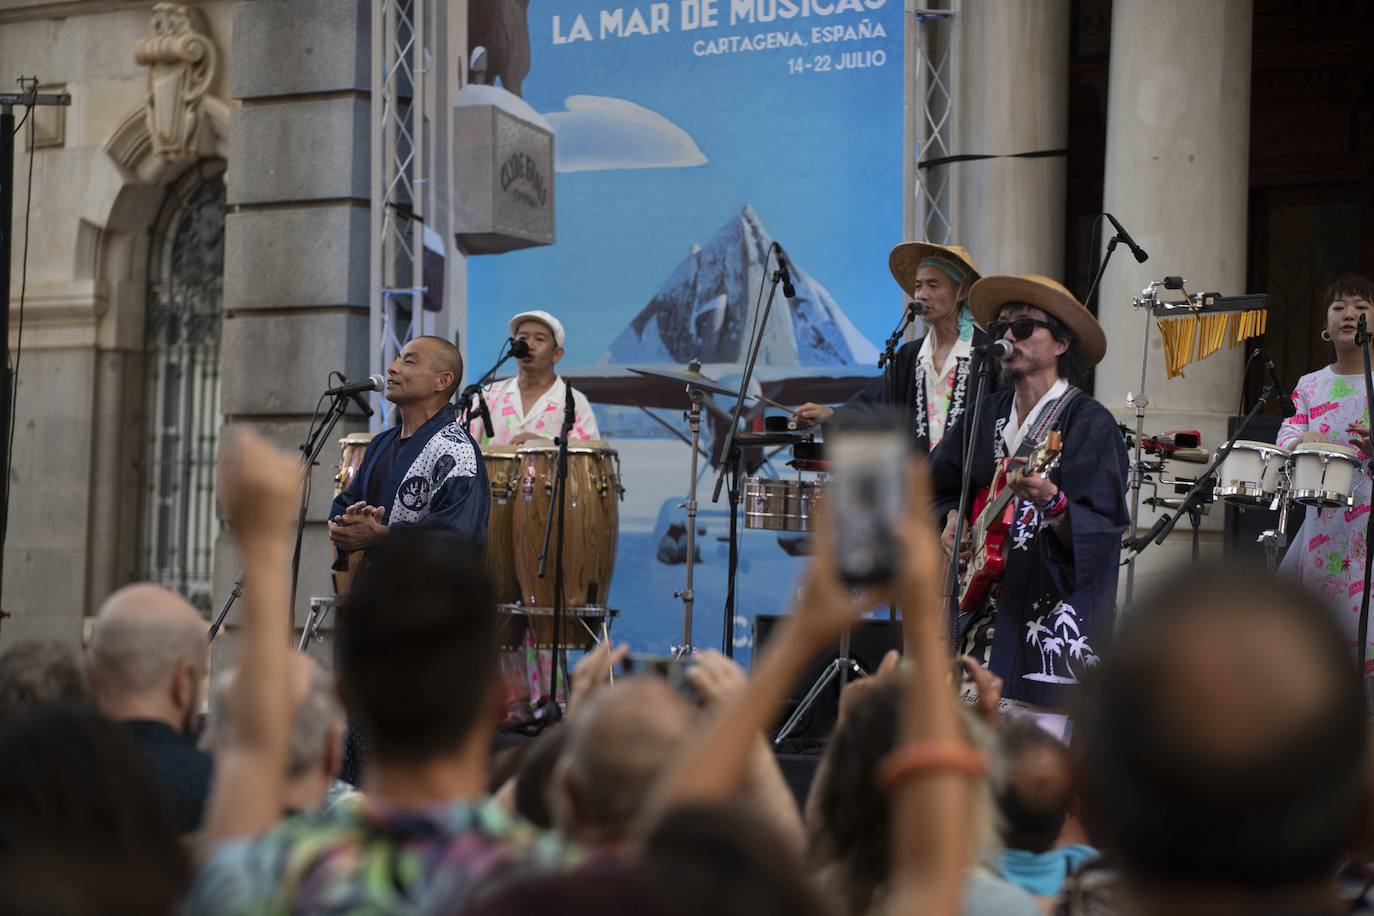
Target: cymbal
{"points": [[694, 379]]}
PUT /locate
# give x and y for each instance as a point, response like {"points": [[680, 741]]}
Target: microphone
{"points": [[1286, 405], [1140, 255], [788, 289], [348, 389], [519, 348], [1000, 350]]}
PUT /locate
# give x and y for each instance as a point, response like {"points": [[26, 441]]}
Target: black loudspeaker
{"points": [[1243, 526], [869, 641]]}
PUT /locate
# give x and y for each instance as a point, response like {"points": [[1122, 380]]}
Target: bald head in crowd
{"points": [[148, 656], [617, 746], [315, 749]]}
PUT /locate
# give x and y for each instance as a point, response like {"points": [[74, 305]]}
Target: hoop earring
{"points": [[1326, 335]]}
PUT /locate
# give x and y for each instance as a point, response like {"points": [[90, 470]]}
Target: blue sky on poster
{"points": [[818, 154]]}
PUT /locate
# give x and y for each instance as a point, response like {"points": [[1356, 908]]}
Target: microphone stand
{"points": [[1362, 337], [310, 450], [465, 398], [560, 501], [952, 572], [729, 453], [890, 349]]}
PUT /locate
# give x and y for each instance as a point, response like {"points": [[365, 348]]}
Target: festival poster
{"points": [[688, 136]]}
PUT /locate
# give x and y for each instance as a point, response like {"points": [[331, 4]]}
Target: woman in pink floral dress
{"points": [[1328, 553]]}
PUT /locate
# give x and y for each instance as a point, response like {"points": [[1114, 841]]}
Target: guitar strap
{"points": [[1048, 420]]}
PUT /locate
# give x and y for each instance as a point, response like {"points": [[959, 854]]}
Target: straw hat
{"points": [[907, 257], [991, 293]]}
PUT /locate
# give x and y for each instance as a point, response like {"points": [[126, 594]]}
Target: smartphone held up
{"points": [[867, 497]]}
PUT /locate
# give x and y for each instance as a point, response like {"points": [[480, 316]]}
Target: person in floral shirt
{"points": [[1328, 553], [528, 407]]}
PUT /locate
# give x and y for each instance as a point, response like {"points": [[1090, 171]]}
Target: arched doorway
{"points": [[185, 311]]}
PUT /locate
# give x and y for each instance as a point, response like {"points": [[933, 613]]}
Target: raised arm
{"points": [[260, 490]]}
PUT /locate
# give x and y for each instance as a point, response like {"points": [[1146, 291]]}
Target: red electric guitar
{"points": [[994, 511]]}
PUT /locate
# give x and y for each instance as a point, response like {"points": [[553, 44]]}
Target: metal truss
{"points": [[400, 55], [933, 101]]}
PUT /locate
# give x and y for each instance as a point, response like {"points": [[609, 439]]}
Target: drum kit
{"points": [[770, 504]]}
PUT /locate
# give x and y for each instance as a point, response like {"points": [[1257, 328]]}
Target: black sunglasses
{"points": [[1020, 328]]}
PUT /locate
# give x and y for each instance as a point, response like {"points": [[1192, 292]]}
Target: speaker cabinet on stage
{"points": [[868, 643]]}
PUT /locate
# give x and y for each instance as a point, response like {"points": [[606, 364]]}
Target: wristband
{"points": [[1054, 507], [913, 760]]}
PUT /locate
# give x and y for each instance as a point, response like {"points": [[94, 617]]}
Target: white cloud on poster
{"points": [[597, 133]]}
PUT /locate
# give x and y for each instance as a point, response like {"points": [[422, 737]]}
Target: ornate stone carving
{"points": [[181, 61]]}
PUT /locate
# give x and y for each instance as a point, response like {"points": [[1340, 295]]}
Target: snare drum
{"points": [[502, 472], [591, 522], [1324, 474], [782, 505], [1250, 474]]}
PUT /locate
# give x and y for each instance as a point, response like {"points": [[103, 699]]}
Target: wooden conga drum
{"points": [[502, 471], [591, 523]]}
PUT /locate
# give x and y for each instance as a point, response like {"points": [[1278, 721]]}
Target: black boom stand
{"points": [[310, 450], [729, 453], [511, 348], [1363, 339], [952, 576], [560, 503]]}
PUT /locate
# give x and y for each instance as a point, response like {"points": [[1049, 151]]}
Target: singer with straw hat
{"points": [[928, 383]]}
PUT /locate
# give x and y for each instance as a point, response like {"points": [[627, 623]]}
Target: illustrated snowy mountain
{"points": [[705, 309]]}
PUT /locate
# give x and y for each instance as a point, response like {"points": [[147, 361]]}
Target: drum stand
{"points": [[1276, 539], [688, 596], [840, 667]]}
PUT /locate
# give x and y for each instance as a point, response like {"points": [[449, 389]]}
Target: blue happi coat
{"points": [[437, 480]]}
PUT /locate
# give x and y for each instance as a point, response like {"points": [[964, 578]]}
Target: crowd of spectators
{"points": [[1217, 761]]}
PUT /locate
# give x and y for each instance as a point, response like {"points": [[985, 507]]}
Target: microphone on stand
{"points": [[1140, 255], [788, 289], [519, 348], [355, 391], [1000, 350], [1286, 405], [913, 309]]}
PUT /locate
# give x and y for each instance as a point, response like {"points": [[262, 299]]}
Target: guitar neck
{"points": [[993, 510]]}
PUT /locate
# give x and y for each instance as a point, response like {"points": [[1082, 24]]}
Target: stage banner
{"points": [[688, 136]]}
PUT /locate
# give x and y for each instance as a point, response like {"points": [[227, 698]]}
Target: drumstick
{"points": [[773, 403]]}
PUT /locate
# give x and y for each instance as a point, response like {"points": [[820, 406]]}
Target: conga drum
{"points": [[502, 471], [352, 447], [591, 523]]}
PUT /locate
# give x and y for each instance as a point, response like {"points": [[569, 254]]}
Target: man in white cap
{"points": [[1048, 617], [529, 409], [529, 406]]}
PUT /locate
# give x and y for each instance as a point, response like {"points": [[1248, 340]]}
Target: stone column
{"points": [[296, 238], [1178, 142], [1012, 96]]}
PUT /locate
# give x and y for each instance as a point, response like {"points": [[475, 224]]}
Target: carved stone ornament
{"points": [[181, 61]]}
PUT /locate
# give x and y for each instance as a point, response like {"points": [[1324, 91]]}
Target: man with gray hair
{"points": [[315, 747], [147, 660]]}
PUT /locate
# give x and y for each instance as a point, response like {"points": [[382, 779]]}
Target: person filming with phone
{"points": [[1045, 618]]}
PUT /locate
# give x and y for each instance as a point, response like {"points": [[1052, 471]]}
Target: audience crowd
{"points": [[1216, 761]]}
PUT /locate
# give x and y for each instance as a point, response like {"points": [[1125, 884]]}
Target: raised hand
{"points": [[258, 485]]}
